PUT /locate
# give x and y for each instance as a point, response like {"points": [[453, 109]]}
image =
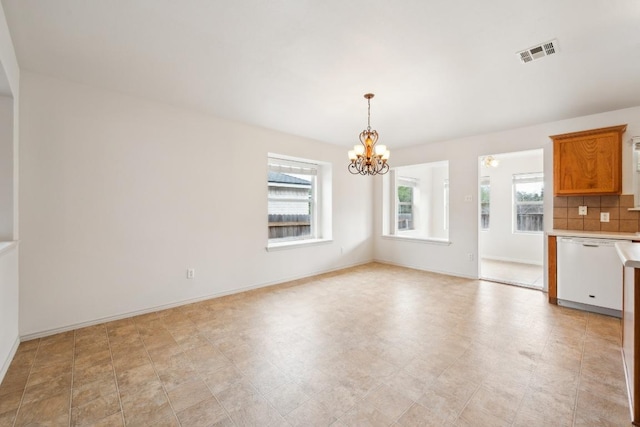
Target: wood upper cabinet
{"points": [[588, 162]]}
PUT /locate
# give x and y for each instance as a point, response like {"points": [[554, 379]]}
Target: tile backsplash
{"points": [[565, 213]]}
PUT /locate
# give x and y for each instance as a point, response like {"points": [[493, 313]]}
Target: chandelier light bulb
{"points": [[380, 150]]}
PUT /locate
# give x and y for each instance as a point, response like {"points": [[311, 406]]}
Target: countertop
{"points": [[629, 253], [595, 234]]}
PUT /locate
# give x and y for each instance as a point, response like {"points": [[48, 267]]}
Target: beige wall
{"points": [[120, 196]]}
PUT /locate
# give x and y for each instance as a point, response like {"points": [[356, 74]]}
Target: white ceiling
{"points": [[440, 69]]}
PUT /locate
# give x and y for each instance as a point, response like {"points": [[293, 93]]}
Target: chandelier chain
{"points": [[368, 113]]}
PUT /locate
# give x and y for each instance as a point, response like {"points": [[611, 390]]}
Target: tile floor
{"points": [[512, 273], [372, 345]]}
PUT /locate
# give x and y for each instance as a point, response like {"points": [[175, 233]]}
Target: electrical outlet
{"points": [[470, 256], [468, 198], [582, 210], [191, 273], [604, 216]]}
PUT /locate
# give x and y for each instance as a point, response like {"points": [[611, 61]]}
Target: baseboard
{"points": [[592, 308], [6, 363], [120, 316], [446, 273], [506, 259]]}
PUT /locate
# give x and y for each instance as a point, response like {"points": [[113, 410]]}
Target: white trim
{"points": [[626, 381], [291, 244], [75, 326], [430, 240], [447, 273], [7, 363], [506, 259], [6, 246]]}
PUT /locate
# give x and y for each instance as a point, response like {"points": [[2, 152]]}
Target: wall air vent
{"points": [[539, 51]]}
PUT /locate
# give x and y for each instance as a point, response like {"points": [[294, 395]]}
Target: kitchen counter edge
{"points": [[629, 253], [617, 235]]}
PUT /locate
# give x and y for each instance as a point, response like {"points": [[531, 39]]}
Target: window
{"points": [[296, 200], [485, 202], [446, 204], [528, 192], [416, 201], [404, 192]]}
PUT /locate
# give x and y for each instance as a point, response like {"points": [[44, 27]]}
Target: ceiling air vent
{"points": [[537, 52]]}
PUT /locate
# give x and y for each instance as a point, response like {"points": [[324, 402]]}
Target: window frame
{"points": [[526, 178], [319, 174], [411, 183], [445, 195], [431, 220], [485, 181]]}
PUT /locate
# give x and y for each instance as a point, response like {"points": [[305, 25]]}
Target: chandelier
{"points": [[367, 158], [490, 162]]}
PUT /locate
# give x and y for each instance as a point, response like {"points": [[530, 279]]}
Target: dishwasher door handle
{"points": [[590, 246]]}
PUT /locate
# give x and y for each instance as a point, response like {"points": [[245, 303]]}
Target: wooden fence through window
{"points": [[291, 226]]}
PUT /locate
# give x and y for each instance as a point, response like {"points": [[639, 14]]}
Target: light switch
{"points": [[582, 210]]}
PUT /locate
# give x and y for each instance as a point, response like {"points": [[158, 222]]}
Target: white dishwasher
{"points": [[589, 275]]}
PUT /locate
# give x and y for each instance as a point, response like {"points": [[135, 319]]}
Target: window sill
{"points": [[426, 240], [296, 244]]}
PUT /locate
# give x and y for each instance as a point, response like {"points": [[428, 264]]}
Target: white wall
{"points": [[6, 169], [120, 196], [436, 212], [8, 305], [463, 156], [500, 242], [9, 258]]}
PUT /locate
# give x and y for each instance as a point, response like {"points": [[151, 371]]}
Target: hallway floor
{"points": [[513, 273], [372, 345]]}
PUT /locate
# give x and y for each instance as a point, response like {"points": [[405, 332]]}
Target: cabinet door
{"points": [[588, 163]]}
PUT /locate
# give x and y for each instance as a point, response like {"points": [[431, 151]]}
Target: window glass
{"points": [[528, 190], [291, 200], [405, 204], [485, 202]]}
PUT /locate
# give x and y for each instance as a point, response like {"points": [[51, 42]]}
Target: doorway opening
{"points": [[511, 214]]}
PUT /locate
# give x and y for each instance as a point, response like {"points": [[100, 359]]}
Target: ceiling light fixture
{"points": [[490, 162], [367, 158]]}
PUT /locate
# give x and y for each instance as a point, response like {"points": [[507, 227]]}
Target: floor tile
{"points": [[388, 401], [95, 410], [363, 414], [370, 345], [310, 413], [204, 414], [188, 394], [53, 410], [287, 397]]}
